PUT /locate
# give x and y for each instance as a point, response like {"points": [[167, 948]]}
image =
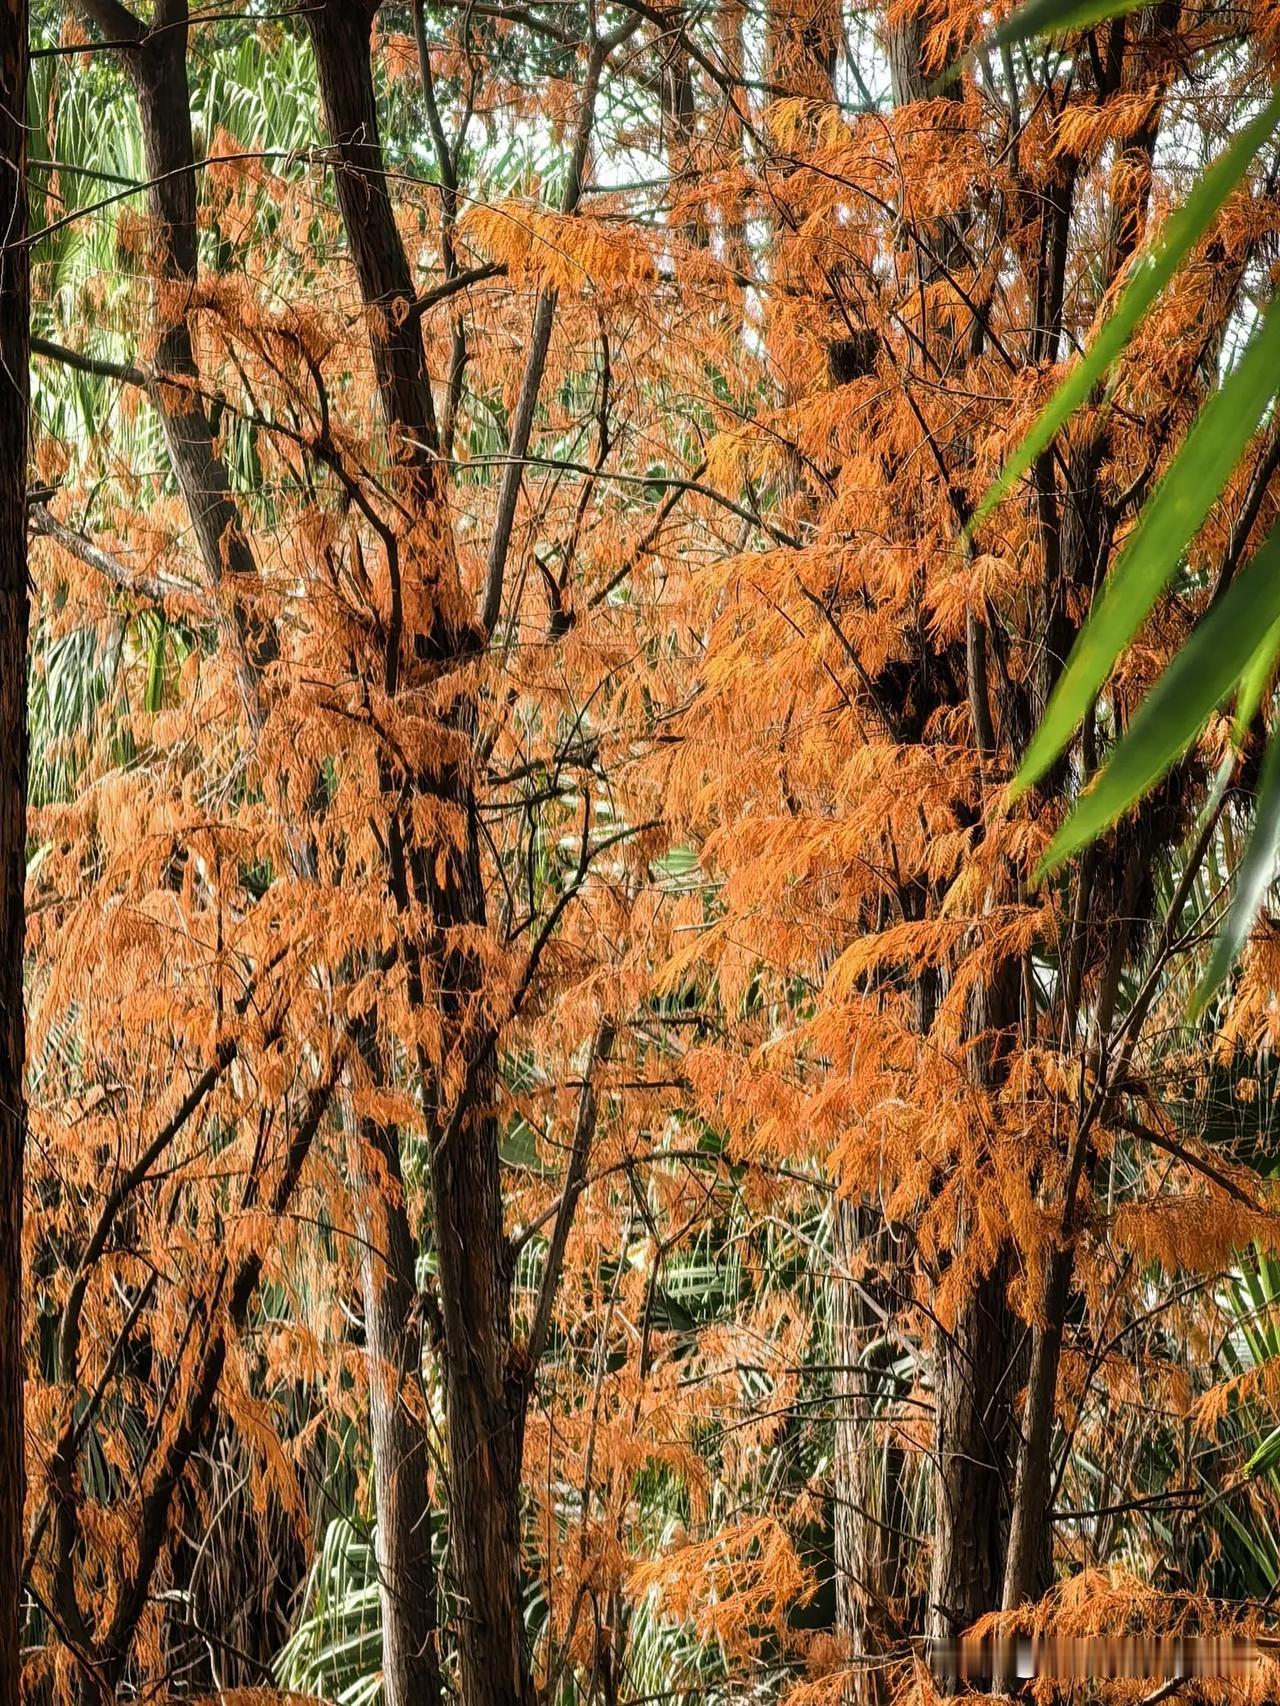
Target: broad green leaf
{"points": [[1169, 520], [1149, 274], [1054, 17], [1254, 878], [1201, 675]]}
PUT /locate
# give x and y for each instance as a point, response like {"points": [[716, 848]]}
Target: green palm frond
{"points": [[335, 1653]]}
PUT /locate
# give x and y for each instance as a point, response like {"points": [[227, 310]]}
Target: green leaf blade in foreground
{"points": [[1170, 519], [1254, 878], [1253, 682], [1265, 1458], [1054, 17], [1201, 675], [1150, 273]]}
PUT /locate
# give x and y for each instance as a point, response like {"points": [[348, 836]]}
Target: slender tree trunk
{"points": [[1027, 1565], [156, 64], [484, 1392], [406, 1572], [975, 1360], [1076, 545], [484, 1388], [978, 1366], [14, 313], [393, 1344], [679, 120], [868, 1522], [730, 16]]}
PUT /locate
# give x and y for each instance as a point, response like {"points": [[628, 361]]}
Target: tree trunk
{"points": [[406, 1570], [484, 1392], [868, 1523], [484, 1389], [730, 16], [393, 1346], [975, 1361], [14, 315], [1077, 541], [679, 121], [973, 1378], [156, 64], [978, 1366], [1028, 1565]]}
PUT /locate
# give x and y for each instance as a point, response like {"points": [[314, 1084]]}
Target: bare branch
{"points": [[158, 588], [575, 1179], [540, 343], [98, 367], [1197, 1163], [451, 286]]}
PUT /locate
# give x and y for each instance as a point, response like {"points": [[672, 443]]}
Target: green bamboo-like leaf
{"points": [[1170, 519], [1254, 878], [154, 699], [1054, 17], [1150, 273], [1265, 1458], [1253, 682], [1201, 675]]}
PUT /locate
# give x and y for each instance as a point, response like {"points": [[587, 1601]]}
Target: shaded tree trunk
{"points": [[14, 315], [973, 1381], [730, 16], [868, 1523], [393, 1345], [484, 1394], [978, 1366], [1077, 544], [1029, 1561], [976, 1359], [156, 64], [679, 120]]}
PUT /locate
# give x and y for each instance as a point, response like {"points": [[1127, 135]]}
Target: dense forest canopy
{"points": [[572, 1155]]}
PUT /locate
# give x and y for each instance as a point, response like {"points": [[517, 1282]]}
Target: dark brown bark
{"points": [[484, 1388], [1077, 539], [973, 1381], [14, 315], [156, 64], [483, 1392], [979, 1365], [730, 16], [584, 1134], [1027, 1565], [341, 37], [679, 120], [975, 1357]]}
